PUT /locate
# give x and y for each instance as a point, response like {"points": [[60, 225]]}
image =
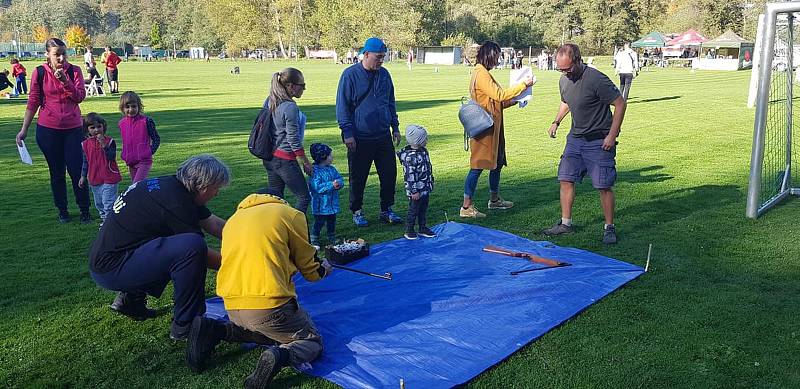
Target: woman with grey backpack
{"points": [[289, 160], [488, 149]]}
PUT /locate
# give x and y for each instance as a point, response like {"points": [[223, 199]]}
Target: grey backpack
{"points": [[474, 118]]}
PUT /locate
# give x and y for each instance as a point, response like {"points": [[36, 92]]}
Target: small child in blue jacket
{"points": [[324, 186]]}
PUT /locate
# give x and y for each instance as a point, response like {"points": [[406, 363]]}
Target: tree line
{"points": [[235, 25]]}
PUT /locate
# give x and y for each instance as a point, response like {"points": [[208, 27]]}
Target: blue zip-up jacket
{"points": [[376, 113], [324, 198]]}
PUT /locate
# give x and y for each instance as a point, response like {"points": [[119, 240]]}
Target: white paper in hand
{"points": [[517, 76], [24, 155]]}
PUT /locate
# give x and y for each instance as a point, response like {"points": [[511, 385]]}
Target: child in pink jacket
{"points": [[100, 165], [140, 138]]}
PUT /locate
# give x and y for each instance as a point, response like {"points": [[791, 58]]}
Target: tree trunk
{"points": [[278, 30], [280, 45]]}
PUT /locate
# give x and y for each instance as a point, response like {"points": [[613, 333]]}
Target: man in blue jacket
{"points": [[365, 110]]}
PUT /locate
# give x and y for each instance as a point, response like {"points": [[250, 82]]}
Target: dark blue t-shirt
{"points": [[152, 208], [589, 97]]}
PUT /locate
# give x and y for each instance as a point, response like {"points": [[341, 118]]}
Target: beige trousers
{"points": [[288, 326]]}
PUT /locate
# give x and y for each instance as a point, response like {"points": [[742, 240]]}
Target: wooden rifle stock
{"points": [[528, 256]]}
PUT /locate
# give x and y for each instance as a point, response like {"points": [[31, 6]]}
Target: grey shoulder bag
{"points": [[473, 117]]}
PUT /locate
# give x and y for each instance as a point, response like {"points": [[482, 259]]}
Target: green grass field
{"points": [[720, 306]]}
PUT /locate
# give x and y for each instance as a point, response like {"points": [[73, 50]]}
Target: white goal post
{"points": [[772, 177]]}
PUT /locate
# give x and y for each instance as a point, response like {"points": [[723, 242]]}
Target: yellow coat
{"points": [[263, 245], [488, 149]]}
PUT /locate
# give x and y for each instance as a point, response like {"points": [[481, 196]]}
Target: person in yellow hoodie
{"points": [[263, 244]]}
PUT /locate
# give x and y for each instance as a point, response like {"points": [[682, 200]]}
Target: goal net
{"points": [[774, 174]]}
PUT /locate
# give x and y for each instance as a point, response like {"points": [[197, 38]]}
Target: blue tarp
{"points": [[451, 310]]}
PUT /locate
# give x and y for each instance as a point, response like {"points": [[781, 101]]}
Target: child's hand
{"points": [[308, 169], [415, 196], [337, 185], [82, 182]]}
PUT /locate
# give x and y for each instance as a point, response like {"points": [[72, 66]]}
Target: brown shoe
{"points": [[470, 212]]}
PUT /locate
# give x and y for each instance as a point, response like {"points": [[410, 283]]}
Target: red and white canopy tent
{"points": [[690, 38]]}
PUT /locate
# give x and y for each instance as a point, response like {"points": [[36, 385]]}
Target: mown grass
{"points": [[719, 306]]}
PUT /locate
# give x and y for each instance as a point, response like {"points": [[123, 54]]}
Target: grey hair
{"points": [[203, 171]]}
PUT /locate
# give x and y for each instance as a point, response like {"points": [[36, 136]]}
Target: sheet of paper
{"points": [[24, 155], [517, 76]]}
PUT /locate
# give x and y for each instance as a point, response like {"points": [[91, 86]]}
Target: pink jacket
{"points": [[60, 110], [136, 145]]}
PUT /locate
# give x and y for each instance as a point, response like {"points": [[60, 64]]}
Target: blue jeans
{"points": [[22, 87], [282, 173], [322, 220], [472, 181], [104, 196]]}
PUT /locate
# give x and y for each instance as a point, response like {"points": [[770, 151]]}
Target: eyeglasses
{"points": [[565, 70]]}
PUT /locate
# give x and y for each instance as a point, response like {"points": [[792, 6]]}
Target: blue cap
{"points": [[374, 45]]}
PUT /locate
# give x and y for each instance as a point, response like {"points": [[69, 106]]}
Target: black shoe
{"points": [[558, 229], [269, 365], [178, 331], [64, 218], [426, 232], [610, 235], [86, 218], [133, 305], [203, 338], [410, 235]]}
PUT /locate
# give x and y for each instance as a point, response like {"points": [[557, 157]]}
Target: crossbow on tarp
{"points": [[533, 258]]}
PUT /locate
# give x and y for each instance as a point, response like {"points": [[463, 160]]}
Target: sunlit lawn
{"points": [[719, 307]]}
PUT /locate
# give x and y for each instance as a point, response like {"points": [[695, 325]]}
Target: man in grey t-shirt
{"points": [[591, 142]]}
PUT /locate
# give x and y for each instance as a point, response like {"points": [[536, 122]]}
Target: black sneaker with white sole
{"points": [[426, 232], [410, 235], [133, 305], [178, 332]]}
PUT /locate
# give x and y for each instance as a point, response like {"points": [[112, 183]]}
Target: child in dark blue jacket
{"points": [[324, 186]]}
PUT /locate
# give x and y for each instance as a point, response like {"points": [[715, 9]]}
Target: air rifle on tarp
{"points": [[530, 257]]}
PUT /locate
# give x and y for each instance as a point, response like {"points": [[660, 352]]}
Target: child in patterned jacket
{"points": [[324, 186], [418, 177]]}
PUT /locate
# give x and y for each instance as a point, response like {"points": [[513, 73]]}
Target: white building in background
{"points": [[197, 53], [439, 55]]}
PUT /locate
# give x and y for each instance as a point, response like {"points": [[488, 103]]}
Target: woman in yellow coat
{"points": [[489, 151]]}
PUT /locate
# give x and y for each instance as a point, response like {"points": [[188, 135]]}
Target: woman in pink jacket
{"points": [[56, 90]]}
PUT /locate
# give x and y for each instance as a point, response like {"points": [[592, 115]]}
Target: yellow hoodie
{"points": [[263, 244]]}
